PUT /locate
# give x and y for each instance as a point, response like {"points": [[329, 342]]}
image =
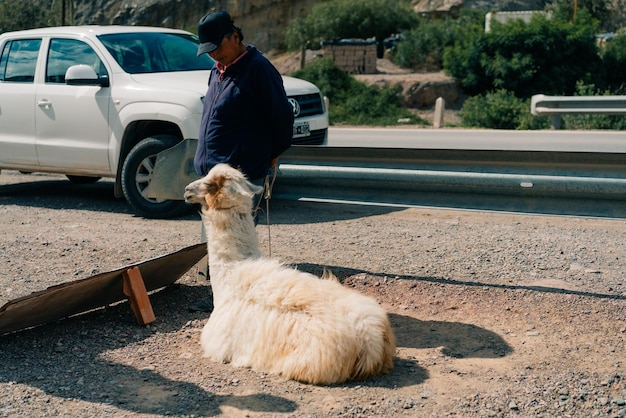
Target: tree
{"points": [[544, 56], [423, 46], [337, 19], [28, 14]]}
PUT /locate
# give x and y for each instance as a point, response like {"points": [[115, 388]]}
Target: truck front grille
{"points": [[310, 104]]}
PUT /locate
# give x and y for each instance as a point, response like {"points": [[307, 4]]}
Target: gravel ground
{"points": [[496, 314]]}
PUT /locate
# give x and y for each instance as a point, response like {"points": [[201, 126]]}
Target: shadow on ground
{"points": [[71, 351]]}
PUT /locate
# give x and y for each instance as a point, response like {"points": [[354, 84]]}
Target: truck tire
{"points": [[137, 174]]}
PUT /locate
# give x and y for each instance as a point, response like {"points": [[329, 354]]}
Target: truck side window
{"points": [[19, 60], [64, 53]]}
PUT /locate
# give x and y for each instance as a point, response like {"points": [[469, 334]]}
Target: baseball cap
{"points": [[211, 30]]}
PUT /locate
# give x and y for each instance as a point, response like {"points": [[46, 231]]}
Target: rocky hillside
{"points": [[263, 21]]}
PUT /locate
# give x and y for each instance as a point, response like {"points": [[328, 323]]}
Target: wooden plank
{"points": [[83, 295], [135, 290]]}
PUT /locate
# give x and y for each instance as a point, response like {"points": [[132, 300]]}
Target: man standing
{"points": [[247, 121]]}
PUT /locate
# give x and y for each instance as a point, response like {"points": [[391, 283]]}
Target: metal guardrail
{"points": [[410, 176], [556, 106], [399, 176]]}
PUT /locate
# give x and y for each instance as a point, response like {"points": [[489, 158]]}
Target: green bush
{"points": [[587, 122], [337, 19], [331, 80], [598, 10], [353, 102], [423, 46], [500, 110], [592, 122], [543, 56], [614, 59]]}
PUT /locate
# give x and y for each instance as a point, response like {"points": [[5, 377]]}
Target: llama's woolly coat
{"points": [[274, 318], [277, 319]]}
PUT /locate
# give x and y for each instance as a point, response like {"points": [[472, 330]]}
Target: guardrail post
{"points": [[556, 121], [440, 105]]}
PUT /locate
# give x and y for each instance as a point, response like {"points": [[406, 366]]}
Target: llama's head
{"points": [[223, 188]]}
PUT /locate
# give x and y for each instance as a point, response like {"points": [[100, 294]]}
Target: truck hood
{"points": [[196, 81], [192, 81], [296, 86]]}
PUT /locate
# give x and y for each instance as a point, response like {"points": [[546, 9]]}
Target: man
{"points": [[247, 121]]}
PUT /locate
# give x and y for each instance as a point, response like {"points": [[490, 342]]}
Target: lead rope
{"points": [[268, 194]]}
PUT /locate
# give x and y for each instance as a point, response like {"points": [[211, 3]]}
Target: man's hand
{"points": [[274, 162]]}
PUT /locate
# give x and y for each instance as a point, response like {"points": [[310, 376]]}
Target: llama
{"points": [[274, 318]]}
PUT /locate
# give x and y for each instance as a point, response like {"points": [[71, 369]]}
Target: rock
{"points": [[419, 90]]}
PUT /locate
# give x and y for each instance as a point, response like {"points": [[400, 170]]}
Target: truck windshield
{"points": [[156, 52]]}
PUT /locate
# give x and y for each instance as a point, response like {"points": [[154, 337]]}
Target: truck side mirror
{"points": [[84, 75]]}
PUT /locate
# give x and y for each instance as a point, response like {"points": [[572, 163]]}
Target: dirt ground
{"points": [[496, 314]]}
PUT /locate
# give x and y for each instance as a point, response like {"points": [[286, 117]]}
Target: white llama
{"points": [[273, 318]]}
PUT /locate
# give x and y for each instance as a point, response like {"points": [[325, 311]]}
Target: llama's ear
{"points": [[255, 189], [244, 188]]}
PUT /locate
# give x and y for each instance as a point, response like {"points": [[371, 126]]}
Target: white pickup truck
{"points": [[106, 101]]}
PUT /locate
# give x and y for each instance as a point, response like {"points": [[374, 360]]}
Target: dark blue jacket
{"points": [[247, 120]]}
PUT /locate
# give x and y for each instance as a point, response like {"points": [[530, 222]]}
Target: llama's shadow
{"points": [[455, 339], [68, 359], [405, 372]]}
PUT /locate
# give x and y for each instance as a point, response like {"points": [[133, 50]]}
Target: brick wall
{"points": [[355, 57]]}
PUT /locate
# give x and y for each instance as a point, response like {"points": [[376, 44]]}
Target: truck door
{"points": [[72, 121]]}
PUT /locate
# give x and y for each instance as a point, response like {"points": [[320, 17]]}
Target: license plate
{"points": [[301, 129]]}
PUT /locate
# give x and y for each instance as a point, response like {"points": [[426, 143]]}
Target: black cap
{"points": [[211, 30]]}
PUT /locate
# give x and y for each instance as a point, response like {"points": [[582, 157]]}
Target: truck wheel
{"points": [[137, 174]]}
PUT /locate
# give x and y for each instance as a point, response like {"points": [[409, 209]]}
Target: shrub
{"points": [[543, 56], [423, 46], [500, 110], [614, 122], [331, 80], [614, 60], [353, 102], [599, 10]]}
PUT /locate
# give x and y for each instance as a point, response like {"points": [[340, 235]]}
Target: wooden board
{"points": [[71, 298]]}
